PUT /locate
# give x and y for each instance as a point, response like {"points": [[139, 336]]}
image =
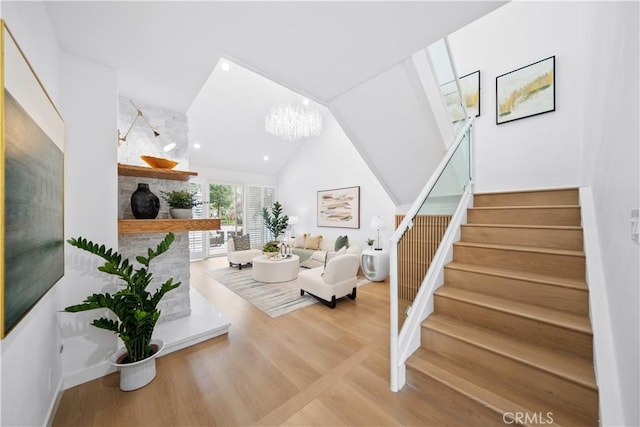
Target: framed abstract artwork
{"points": [[339, 207], [470, 85], [32, 190], [527, 91]]}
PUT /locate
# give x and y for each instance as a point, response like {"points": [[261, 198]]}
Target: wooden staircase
{"points": [[510, 339]]}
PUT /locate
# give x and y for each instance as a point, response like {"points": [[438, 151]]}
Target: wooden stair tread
{"points": [[514, 248], [520, 275], [577, 370], [485, 208], [530, 226], [472, 386], [558, 318]]}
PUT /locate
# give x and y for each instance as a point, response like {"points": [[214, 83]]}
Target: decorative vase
{"points": [[180, 213], [138, 374], [144, 204]]}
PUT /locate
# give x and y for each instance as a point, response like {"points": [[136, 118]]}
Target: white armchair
{"points": [[337, 280], [239, 257]]}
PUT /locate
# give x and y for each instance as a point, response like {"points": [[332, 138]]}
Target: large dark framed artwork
{"points": [[32, 187], [527, 91], [339, 207]]}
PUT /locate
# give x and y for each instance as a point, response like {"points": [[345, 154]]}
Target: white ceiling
{"points": [[165, 51]]}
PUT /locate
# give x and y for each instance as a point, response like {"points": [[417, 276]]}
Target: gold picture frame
{"points": [[32, 135]]}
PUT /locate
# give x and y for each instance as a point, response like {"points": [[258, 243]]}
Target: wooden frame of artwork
{"points": [[526, 92], [32, 135], [470, 85], [339, 207]]}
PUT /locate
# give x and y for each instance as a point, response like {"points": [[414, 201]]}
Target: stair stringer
{"points": [[409, 337], [604, 358]]}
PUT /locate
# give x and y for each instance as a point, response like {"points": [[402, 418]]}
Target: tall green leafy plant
{"points": [[134, 306], [275, 222]]}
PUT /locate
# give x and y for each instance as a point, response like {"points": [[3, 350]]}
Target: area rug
{"points": [[275, 299]]}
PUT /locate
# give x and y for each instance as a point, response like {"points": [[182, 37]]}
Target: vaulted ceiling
{"points": [[164, 52]]}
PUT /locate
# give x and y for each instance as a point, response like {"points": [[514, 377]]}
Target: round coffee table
{"points": [[269, 270]]}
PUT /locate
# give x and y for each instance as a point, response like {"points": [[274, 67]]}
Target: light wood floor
{"points": [[315, 366]]}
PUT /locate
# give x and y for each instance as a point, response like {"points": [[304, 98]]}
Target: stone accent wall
{"points": [[174, 263], [172, 126]]}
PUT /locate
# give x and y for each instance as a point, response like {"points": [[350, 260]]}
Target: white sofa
{"points": [[312, 258], [240, 257], [335, 281]]}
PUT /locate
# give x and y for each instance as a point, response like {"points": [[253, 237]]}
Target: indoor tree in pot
{"points": [[276, 223], [180, 202], [135, 308]]}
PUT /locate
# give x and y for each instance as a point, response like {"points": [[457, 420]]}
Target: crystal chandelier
{"points": [[291, 122]]}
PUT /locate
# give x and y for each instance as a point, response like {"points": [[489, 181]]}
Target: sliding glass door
{"points": [[239, 209]]}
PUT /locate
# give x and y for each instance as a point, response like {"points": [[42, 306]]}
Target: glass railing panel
{"points": [[444, 71], [419, 244]]}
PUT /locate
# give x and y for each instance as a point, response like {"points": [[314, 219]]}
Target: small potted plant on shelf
{"points": [[181, 202], [370, 243], [135, 308]]}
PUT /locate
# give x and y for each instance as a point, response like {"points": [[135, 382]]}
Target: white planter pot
{"points": [[180, 213], [137, 375]]}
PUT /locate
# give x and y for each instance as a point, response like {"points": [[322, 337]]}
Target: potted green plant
{"points": [[135, 308], [370, 243], [180, 202], [271, 248], [275, 222]]}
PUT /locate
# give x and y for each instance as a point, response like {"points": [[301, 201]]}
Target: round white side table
{"points": [[268, 270], [375, 264]]}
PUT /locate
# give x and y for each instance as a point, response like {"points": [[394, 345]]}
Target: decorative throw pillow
{"points": [[242, 243], [312, 242], [341, 241], [342, 251]]}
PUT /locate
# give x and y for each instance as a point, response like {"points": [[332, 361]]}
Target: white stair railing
{"points": [[452, 177]]}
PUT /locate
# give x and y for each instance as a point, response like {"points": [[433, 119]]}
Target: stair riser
{"points": [[556, 297], [568, 266], [541, 238], [441, 394], [573, 342], [525, 379], [525, 216], [529, 198]]}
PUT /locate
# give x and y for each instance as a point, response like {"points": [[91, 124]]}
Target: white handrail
{"points": [[407, 223]]}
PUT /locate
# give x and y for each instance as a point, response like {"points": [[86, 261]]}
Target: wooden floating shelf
{"points": [[137, 226], [145, 172]]}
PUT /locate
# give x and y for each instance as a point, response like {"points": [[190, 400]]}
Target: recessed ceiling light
{"points": [[225, 66], [266, 158], [169, 147], [305, 101], [196, 146]]}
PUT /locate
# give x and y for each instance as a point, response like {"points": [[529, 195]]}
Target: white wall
{"points": [[90, 107], [331, 161], [610, 166], [390, 122], [234, 177], [590, 140], [536, 152], [86, 94], [30, 363]]}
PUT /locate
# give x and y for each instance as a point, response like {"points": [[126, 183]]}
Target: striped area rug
{"points": [[275, 299]]}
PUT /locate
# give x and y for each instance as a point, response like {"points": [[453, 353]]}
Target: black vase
{"points": [[144, 204]]}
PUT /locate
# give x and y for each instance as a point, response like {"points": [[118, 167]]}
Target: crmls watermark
{"points": [[527, 418]]}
